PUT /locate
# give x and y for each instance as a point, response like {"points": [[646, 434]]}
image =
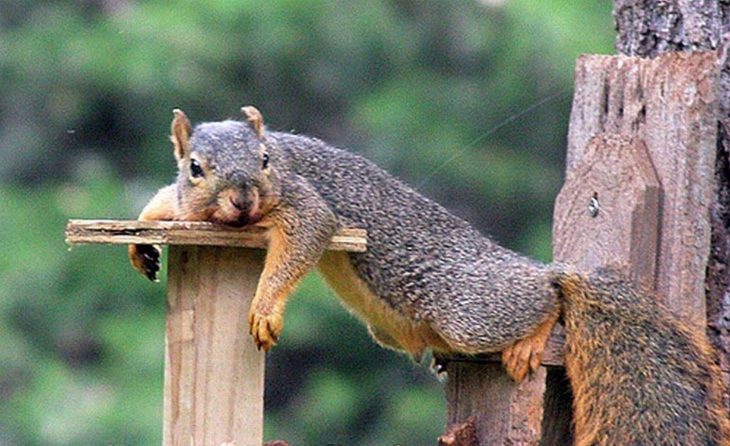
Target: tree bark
{"points": [[649, 28]]}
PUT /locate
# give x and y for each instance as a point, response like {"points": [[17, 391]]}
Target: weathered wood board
{"points": [[505, 414], [190, 233], [670, 104], [639, 176], [607, 213], [214, 374]]}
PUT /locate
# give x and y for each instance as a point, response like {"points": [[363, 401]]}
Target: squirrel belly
{"points": [[640, 376], [388, 327]]}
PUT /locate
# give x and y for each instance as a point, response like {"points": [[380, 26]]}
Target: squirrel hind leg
{"points": [[525, 355]]}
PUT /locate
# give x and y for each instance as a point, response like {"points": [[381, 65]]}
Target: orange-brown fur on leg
{"points": [[278, 279], [525, 355], [146, 258], [297, 238]]}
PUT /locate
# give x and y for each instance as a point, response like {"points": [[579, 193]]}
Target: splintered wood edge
{"points": [[126, 232]]}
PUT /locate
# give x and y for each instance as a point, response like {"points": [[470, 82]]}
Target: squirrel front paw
{"points": [[265, 328], [145, 259]]}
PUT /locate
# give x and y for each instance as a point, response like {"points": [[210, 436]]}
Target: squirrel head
{"points": [[226, 170]]}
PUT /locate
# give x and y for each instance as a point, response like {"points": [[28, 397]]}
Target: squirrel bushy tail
{"points": [[640, 376]]}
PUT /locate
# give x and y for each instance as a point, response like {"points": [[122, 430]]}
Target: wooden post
{"points": [[480, 393], [214, 375], [637, 196], [694, 26], [504, 413]]}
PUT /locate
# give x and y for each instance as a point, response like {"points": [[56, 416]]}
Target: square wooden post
{"points": [[214, 375], [536, 411]]}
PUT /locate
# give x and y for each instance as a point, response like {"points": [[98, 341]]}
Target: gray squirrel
{"points": [[429, 280]]}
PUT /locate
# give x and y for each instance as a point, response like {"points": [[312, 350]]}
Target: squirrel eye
{"points": [[264, 160], [195, 170]]}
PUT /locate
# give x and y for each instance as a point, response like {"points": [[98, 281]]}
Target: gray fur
{"points": [[421, 260]]}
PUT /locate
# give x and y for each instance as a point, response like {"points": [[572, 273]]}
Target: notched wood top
{"points": [[190, 233]]}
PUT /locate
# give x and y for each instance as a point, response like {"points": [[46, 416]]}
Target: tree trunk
{"points": [[649, 28]]}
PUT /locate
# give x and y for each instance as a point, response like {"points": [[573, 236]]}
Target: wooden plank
{"points": [[190, 233], [670, 103], [535, 412], [605, 215], [214, 375], [639, 180]]}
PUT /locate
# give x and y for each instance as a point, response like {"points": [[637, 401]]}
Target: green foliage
{"points": [[468, 101], [82, 353]]}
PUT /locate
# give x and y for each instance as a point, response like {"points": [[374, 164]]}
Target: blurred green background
{"points": [[87, 93]]}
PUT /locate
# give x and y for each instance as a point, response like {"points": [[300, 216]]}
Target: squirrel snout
{"points": [[237, 208], [238, 202]]}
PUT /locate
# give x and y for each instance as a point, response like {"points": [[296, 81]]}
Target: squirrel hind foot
{"points": [[520, 358], [525, 356]]}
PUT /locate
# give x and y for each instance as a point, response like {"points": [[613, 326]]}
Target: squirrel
{"points": [[429, 280]]}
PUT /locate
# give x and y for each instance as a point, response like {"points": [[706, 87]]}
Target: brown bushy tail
{"points": [[639, 375]]}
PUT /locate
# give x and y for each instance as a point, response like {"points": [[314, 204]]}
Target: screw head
{"points": [[594, 206]]}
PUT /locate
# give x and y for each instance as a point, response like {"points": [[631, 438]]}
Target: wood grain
{"points": [[643, 29], [607, 213], [670, 103], [641, 142], [214, 375], [190, 233], [505, 413]]}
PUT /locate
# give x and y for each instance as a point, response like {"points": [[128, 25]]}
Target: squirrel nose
{"points": [[238, 203]]}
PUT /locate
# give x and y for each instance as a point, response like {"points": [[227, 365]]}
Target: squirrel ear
{"points": [[180, 133], [255, 120]]}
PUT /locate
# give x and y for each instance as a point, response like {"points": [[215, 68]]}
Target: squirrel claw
{"points": [[265, 329], [438, 366], [146, 260]]}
